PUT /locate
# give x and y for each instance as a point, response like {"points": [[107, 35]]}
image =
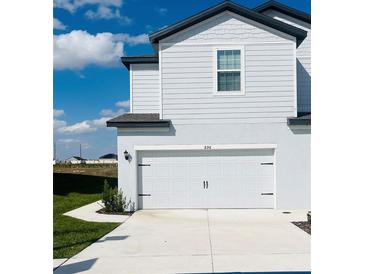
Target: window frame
{"points": [[241, 70]]}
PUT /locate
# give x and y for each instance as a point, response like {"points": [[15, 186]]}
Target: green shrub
{"points": [[114, 199]]}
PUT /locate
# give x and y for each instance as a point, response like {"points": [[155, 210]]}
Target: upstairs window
{"points": [[228, 71]]}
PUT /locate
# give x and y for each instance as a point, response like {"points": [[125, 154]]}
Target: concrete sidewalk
{"points": [[58, 262], [198, 241], [88, 213]]}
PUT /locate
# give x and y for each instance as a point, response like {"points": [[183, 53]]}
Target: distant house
{"points": [[110, 158], [91, 162], [75, 160]]}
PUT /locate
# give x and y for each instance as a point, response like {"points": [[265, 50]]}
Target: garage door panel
{"points": [[179, 170], [196, 170], [229, 169], [214, 168], [236, 179]]}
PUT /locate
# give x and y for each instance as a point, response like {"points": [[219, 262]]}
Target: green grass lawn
{"points": [[71, 191]]}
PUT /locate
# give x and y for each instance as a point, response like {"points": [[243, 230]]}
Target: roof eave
{"points": [[232, 7], [128, 60], [149, 124], [284, 9], [297, 121]]}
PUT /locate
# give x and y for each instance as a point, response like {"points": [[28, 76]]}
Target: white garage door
{"points": [[206, 179]]}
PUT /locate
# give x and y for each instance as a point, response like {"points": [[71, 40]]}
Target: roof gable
{"points": [[227, 27], [234, 8], [273, 5]]}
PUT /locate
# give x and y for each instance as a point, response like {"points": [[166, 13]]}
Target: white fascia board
{"points": [[205, 147]]}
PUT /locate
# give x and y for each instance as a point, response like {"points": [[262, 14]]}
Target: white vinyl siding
{"points": [[145, 92], [188, 86], [303, 60]]}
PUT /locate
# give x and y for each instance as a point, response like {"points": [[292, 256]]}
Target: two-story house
{"points": [[220, 115]]}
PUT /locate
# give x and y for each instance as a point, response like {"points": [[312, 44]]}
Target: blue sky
{"points": [[90, 85]]}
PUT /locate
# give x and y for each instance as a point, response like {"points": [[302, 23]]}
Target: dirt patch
{"points": [[306, 226], [102, 211], [104, 170]]}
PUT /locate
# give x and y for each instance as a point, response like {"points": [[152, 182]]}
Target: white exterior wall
{"points": [[292, 154], [188, 74], [145, 89], [303, 60]]}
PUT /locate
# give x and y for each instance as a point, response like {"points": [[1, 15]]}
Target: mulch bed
{"points": [[306, 226], [102, 211]]}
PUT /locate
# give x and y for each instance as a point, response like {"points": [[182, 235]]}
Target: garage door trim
{"points": [[205, 147]]}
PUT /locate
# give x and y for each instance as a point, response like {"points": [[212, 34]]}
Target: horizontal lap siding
{"points": [[187, 83], [303, 60], [145, 88]]}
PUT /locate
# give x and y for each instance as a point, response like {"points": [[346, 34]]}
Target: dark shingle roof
{"points": [[134, 120], [78, 158], [232, 7], [142, 59], [109, 156], [303, 119], [284, 9]]}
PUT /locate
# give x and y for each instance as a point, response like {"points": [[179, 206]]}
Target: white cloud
{"points": [[100, 9], [161, 11], [101, 122], [58, 112], [58, 123], [57, 24], [86, 126], [107, 13], [123, 104], [73, 5], [132, 40], [110, 113], [123, 108], [78, 128], [68, 141], [78, 49]]}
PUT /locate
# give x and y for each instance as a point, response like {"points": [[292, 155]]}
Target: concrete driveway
{"points": [[198, 241]]}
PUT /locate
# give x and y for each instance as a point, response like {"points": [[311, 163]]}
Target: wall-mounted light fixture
{"points": [[126, 155]]}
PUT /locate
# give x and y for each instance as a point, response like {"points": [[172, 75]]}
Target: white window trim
{"points": [[242, 70]]}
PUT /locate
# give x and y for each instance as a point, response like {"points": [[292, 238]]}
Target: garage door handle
{"points": [[144, 195], [207, 184], [204, 184], [267, 193]]}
